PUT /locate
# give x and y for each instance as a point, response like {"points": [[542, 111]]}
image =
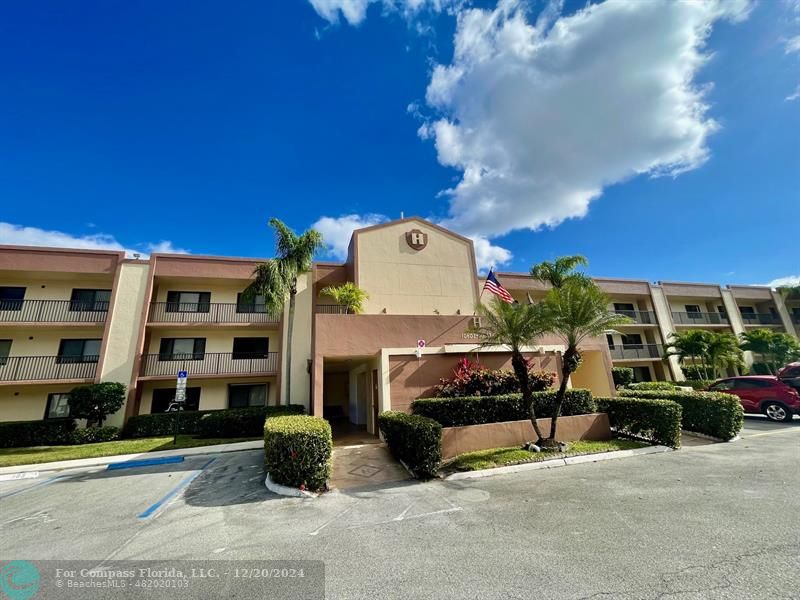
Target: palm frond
{"points": [[270, 282], [560, 271], [512, 325]]}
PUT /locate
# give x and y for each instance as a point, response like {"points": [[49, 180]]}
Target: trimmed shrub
{"points": [[652, 385], [657, 420], [94, 402], [190, 422], [712, 413], [622, 376], [20, 434], [297, 451], [473, 379], [696, 384], [242, 422], [476, 410], [414, 439], [94, 435]]}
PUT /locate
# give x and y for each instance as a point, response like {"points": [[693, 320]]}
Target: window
{"points": [[250, 347], [632, 340], [57, 406], [244, 395], [182, 349], [623, 307], [721, 310], [610, 340], [196, 302], [747, 311], [76, 351], [163, 397], [722, 385], [692, 308], [750, 384], [255, 305], [11, 298], [89, 300], [641, 374], [5, 350]]}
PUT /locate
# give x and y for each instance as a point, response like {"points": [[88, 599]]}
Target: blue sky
{"points": [[617, 131]]}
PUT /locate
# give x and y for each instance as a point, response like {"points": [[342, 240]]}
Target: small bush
{"points": [[473, 379], [696, 384], [94, 435], [415, 440], [94, 402], [712, 413], [696, 372], [20, 434], [190, 422], [658, 420], [297, 451], [476, 410], [622, 376], [242, 422], [652, 385]]}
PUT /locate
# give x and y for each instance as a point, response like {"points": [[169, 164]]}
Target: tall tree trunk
{"points": [[569, 363], [289, 330], [521, 371]]}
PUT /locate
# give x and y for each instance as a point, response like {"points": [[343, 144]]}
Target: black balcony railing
{"points": [[636, 351], [47, 368], [760, 319], [207, 312], [211, 363], [643, 317], [332, 309], [52, 311], [700, 318]]}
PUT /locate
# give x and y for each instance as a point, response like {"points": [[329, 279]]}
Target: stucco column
{"points": [[665, 326], [735, 319], [786, 318]]}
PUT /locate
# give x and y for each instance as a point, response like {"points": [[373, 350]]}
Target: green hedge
{"points": [[476, 410], [622, 376], [712, 413], [652, 385], [696, 384], [658, 420], [95, 435], [297, 451], [190, 421], [414, 439], [19, 434]]}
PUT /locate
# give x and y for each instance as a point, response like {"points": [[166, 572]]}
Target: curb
{"points": [[558, 462], [102, 461], [704, 436], [285, 490]]}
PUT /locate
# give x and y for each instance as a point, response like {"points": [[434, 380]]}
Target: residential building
{"points": [[69, 317]]}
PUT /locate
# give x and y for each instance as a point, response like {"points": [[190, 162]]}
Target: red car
{"points": [[762, 394]]}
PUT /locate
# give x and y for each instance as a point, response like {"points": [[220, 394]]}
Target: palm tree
{"points": [[575, 311], [277, 278], [723, 350], [514, 326], [348, 295], [785, 349], [760, 341], [691, 344], [561, 270]]}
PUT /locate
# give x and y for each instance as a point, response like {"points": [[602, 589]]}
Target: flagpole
{"points": [[483, 289]]}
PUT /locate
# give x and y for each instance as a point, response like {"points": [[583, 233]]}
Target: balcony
{"points": [[699, 318], [761, 319], [215, 363], [52, 311], [637, 352], [210, 313], [47, 368], [640, 317], [331, 309]]}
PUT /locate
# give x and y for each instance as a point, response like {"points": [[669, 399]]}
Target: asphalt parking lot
{"points": [[709, 521]]}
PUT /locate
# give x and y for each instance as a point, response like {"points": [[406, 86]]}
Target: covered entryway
{"points": [[347, 400]]}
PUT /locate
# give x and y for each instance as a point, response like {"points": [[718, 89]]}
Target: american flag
{"points": [[493, 286]]}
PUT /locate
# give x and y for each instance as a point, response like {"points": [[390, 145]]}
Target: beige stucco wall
{"points": [[48, 286], [416, 282], [27, 402], [301, 344], [43, 341], [594, 374], [213, 392], [222, 291]]}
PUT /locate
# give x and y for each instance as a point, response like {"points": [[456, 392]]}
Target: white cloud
{"points": [[540, 117], [33, 236], [336, 231], [794, 95], [789, 280], [792, 44], [355, 11], [488, 255]]}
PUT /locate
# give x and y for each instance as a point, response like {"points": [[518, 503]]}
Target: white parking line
{"points": [[790, 430]]}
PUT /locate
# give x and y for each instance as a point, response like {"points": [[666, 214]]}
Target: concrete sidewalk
{"points": [[108, 460]]}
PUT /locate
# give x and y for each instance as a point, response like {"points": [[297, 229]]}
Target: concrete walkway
{"points": [[362, 465], [108, 460]]}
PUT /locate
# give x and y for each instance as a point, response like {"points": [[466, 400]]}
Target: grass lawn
{"points": [[41, 454], [500, 457]]}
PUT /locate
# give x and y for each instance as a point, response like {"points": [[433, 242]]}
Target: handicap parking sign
{"points": [[182, 374]]}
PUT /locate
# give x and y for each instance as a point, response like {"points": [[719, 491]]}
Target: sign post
{"points": [[180, 401]]}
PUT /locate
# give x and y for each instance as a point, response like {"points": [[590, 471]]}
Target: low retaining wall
{"points": [[457, 440]]}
